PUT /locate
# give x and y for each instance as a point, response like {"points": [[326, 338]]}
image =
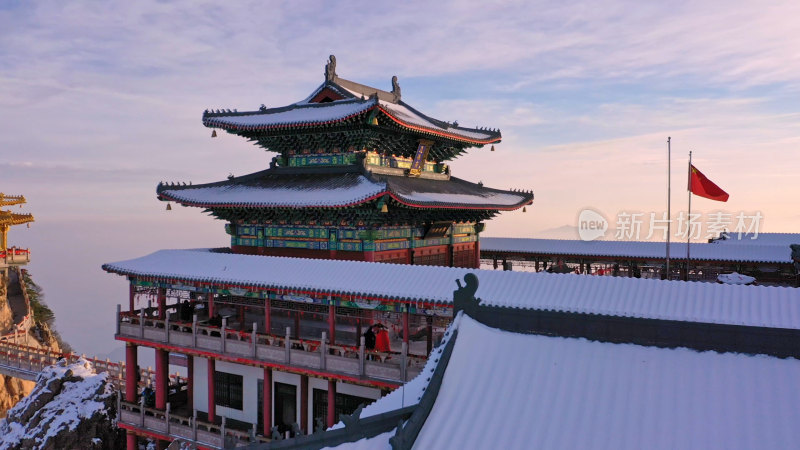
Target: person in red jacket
{"points": [[381, 338]]}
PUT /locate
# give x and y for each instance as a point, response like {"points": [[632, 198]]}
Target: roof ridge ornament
{"points": [[464, 297], [395, 89], [330, 69]]}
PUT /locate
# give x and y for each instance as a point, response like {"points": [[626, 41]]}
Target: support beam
{"points": [[405, 324], [296, 324], [331, 419], [131, 372], [162, 378], [304, 403], [131, 296], [212, 405], [210, 305], [267, 402], [332, 323], [162, 303], [190, 382], [477, 253], [429, 334], [268, 316]]}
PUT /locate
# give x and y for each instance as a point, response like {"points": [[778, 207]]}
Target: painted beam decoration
{"points": [[419, 158]]}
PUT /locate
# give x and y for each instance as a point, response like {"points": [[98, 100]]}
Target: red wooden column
{"points": [[131, 370], [210, 305], [332, 324], [241, 319], [131, 296], [268, 316], [331, 420], [190, 382], [162, 303], [296, 324], [267, 401], [132, 443], [212, 405], [405, 324], [477, 253], [162, 378], [304, 403]]}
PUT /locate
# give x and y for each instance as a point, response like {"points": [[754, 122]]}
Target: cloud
{"points": [[714, 42]]}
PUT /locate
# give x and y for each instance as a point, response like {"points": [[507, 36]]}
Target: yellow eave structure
{"points": [[8, 219]]}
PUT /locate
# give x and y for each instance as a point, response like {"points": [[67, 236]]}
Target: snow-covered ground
{"points": [[66, 398]]}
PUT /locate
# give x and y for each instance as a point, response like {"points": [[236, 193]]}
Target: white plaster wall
{"points": [[200, 384]]}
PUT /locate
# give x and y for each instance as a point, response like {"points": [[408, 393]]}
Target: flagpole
{"points": [[689, 220], [669, 216]]}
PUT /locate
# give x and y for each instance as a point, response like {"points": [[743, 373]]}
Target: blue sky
{"points": [[101, 100]]}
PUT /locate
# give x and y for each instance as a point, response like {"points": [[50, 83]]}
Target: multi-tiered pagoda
{"points": [[277, 346], [359, 175]]}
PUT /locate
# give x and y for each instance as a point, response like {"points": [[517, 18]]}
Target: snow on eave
{"points": [[312, 114]]}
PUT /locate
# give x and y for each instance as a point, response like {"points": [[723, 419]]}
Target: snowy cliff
{"points": [[71, 407]]}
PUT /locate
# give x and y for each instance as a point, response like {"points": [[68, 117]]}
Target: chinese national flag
{"points": [[700, 185]]}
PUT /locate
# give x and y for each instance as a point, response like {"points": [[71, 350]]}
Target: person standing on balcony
{"points": [[369, 338], [382, 338]]}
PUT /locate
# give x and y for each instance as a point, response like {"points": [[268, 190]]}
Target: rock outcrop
{"points": [[12, 390], [70, 407], [13, 309], [6, 315]]}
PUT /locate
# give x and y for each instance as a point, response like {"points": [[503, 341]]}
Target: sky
{"points": [[102, 100]]}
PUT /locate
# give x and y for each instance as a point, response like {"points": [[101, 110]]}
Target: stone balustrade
{"points": [[254, 347]]}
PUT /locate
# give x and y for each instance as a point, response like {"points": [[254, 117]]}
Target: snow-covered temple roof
{"points": [[320, 189], [637, 249], [351, 104], [351, 116], [502, 389], [755, 306], [779, 239]]}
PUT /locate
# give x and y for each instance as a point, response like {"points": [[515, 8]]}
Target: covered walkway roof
{"points": [[754, 253]]}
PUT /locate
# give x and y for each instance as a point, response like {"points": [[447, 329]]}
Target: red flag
{"points": [[700, 185]]}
